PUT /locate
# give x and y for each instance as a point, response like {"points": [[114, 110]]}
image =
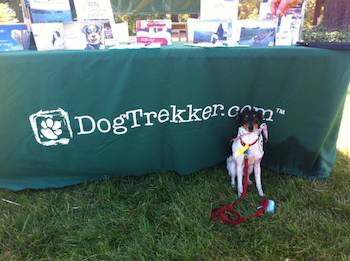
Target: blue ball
{"points": [[271, 207]]}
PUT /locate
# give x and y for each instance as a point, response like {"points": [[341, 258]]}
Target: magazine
{"points": [[14, 37], [153, 31], [213, 31], [219, 9], [44, 11], [87, 35], [48, 36], [257, 33]]}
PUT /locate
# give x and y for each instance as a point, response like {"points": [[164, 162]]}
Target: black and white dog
{"points": [[248, 144], [94, 37]]}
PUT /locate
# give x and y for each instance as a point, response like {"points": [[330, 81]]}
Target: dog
{"points": [[248, 144], [57, 40], [94, 37]]}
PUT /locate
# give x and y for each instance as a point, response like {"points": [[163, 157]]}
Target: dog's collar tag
{"points": [[241, 150]]}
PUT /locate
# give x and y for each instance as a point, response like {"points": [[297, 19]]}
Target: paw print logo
{"points": [[51, 127]]}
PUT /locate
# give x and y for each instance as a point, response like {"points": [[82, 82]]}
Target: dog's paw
{"points": [[51, 130], [261, 194]]}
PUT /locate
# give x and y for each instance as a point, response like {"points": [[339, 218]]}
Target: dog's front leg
{"points": [[257, 174], [250, 171], [231, 168], [240, 177]]}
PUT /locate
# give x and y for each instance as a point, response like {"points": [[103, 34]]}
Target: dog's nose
{"points": [[250, 127]]}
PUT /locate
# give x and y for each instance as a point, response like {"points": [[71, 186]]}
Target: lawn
{"points": [[166, 217]]}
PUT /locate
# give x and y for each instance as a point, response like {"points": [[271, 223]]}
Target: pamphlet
{"points": [[87, 35], [153, 31], [48, 36], [45, 11], [289, 26], [14, 37], [257, 33], [209, 31]]}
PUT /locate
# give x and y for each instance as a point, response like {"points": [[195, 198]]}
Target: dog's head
{"points": [[250, 119], [93, 33]]}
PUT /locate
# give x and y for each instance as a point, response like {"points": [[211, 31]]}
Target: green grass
{"points": [[166, 217]]}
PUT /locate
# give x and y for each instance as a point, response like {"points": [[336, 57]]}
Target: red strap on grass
{"points": [[226, 212]]}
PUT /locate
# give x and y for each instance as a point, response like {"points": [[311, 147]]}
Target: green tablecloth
{"points": [[71, 116], [155, 6]]}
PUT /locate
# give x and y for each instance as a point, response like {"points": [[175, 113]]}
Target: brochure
{"points": [[257, 33], [48, 36], [14, 37], [87, 35], [209, 31], [289, 26], [292, 22], [44, 11], [153, 31]]}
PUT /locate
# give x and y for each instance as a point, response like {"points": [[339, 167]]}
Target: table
{"points": [[72, 116]]}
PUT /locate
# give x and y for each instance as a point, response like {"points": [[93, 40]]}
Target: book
{"points": [[257, 33], [93, 10], [209, 31], [153, 31], [88, 35], [219, 9], [48, 36], [14, 37], [46, 11]]}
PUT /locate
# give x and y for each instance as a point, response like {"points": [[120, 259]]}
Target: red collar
{"points": [[251, 144]]}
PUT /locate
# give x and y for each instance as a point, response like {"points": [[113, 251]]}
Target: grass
{"points": [[166, 217]]}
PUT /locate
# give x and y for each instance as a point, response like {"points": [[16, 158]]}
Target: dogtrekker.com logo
{"points": [[53, 127]]}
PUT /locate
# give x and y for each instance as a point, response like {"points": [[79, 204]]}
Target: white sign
{"points": [[219, 10], [94, 9]]}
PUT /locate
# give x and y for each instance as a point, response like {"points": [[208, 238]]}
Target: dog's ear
{"points": [[98, 28], [239, 118], [84, 29], [260, 116]]}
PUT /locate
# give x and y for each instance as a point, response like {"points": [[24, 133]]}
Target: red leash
{"points": [[224, 213]]}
